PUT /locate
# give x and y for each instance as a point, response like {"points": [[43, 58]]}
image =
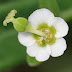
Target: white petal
{"points": [[40, 16], [43, 53], [33, 50], [60, 26], [40, 53], [58, 47], [26, 39]]}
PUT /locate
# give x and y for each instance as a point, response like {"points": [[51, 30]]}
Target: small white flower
{"points": [[56, 49]]}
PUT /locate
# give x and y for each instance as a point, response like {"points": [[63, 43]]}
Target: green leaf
{"points": [[65, 9], [66, 15], [51, 5], [12, 53], [32, 61]]}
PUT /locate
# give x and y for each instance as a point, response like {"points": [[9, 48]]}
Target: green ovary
{"points": [[51, 31], [51, 40]]}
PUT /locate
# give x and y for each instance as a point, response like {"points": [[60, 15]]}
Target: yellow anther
{"points": [[49, 36], [40, 43]]}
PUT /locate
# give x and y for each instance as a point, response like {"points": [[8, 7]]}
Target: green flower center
{"points": [[49, 39]]}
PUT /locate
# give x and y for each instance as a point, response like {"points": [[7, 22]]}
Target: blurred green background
{"points": [[13, 54]]}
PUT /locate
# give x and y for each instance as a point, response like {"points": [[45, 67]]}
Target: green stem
{"points": [[35, 31]]}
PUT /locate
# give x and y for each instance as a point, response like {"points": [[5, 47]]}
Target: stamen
{"points": [[39, 42], [49, 36]]}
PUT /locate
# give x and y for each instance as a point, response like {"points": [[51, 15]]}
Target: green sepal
{"points": [[20, 24], [32, 61]]}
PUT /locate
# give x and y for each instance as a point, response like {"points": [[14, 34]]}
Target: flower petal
{"points": [[40, 53], [60, 26], [33, 50], [43, 53], [25, 38], [40, 16], [58, 47]]}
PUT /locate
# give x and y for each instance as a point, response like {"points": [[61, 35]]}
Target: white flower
{"points": [[56, 49]]}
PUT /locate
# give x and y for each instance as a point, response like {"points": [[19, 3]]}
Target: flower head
{"points": [[52, 44]]}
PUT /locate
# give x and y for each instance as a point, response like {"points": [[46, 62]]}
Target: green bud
{"points": [[20, 24]]}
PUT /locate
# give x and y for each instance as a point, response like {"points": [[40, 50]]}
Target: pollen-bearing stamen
{"points": [[48, 39], [39, 42], [45, 39], [49, 36]]}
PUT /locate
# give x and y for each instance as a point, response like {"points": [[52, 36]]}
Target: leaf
{"points": [[51, 5], [32, 61], [66, 15], [12, 53], [65, 9]]}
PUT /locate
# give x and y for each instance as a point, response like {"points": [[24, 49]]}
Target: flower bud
{"points": [[20, 24]]}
